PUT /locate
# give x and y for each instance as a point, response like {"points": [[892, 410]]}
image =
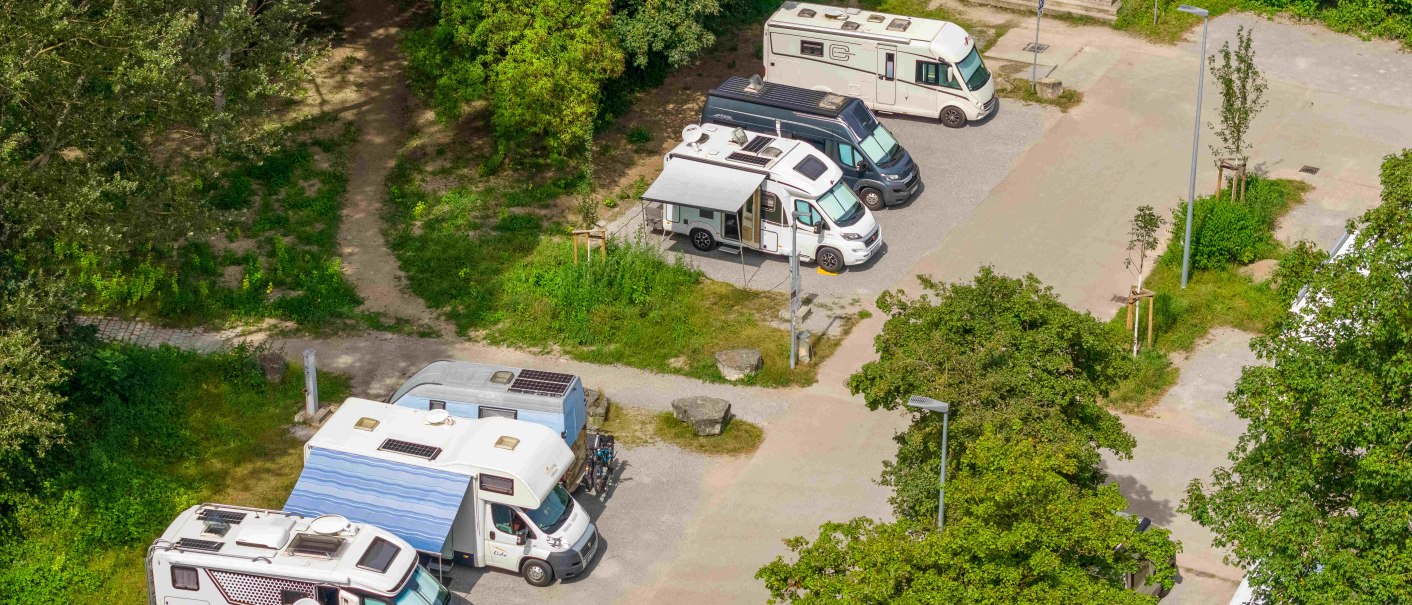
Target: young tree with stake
{"points": [[1242, 97], [1142, 240]]}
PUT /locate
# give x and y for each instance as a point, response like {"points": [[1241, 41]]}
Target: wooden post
{"points": [[1131, 290], [576, 249], [1220, 176], [1151, 309]]}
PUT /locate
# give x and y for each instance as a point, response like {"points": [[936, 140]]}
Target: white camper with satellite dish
{"points": [[481, 492], [215, 554], [727, 186], [896, 64]]}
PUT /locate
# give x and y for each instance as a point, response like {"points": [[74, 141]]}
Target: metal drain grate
{"points": [[1310, 170], [1036, 48]]}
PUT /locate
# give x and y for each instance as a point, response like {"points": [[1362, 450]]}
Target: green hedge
{"points": [[1225, 232]]}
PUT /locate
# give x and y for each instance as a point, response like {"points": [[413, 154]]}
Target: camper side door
{"points": [[507, 537], [807, 239]]}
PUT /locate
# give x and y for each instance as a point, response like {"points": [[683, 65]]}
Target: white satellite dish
{"points": [[438, 416], [692, 133], [835, 13], [329, 525], [306, 601]]}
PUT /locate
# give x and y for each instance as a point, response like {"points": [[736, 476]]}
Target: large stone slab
{"points": [[706, 415], [738, 364]]}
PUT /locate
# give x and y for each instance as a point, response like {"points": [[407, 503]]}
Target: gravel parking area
{"points": [[959, 168], [656, 493]]}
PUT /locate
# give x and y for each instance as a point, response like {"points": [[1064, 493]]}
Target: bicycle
{"points": [[602, 451]]}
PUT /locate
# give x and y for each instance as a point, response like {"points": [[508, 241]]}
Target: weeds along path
{"points": [[377, 102]]}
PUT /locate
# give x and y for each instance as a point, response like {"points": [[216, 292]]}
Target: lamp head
{"points": [[928, 404], [1194, 10]]}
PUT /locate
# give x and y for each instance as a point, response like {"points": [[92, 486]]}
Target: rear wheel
{"points": [[537, 573], [953, 117], [702, 240], [872, 198], [829, 259]]}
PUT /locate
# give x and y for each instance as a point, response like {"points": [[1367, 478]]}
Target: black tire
{"points": [[829, 259], [702, 240], [537, 573], [872, 198], [953, 117], [600, 483]]}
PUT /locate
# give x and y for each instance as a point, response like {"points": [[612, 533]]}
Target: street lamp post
{"points": [[1195, 137], [794, 302], [932, 405]]}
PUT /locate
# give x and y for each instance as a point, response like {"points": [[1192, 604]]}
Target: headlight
{"points": [[852, 236], [893, 177]]}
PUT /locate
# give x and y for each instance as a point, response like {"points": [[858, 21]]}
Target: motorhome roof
{"points": [[267, 543], [782, 159], [784, 96], [948, 40], [535, 454], [484, 383]]}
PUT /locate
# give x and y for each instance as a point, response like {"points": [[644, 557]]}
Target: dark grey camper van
{"points": [[873, 163]]}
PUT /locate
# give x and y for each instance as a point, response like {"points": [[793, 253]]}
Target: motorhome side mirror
{"points": [[519, 540], [861, 166]]}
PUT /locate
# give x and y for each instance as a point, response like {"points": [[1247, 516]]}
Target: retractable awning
{"points": [[414, 503], [686, 182]]}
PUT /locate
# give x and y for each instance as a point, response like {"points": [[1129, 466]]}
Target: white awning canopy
{"points": [[685, 182]]}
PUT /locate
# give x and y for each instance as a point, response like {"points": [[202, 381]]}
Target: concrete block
{"points": [[1049, 88]]}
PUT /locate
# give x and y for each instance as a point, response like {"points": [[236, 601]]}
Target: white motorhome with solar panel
{"points": [[728, 186], [481, 492], [233, 555], [895, 63], [477, 390]]}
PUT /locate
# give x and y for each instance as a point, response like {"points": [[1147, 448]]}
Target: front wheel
{"points": [[872, 198], [953, 117], [702, 240], [829, 260], [537, 573]]}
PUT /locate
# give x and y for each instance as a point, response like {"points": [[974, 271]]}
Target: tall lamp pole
{"points": [[794, 301], [932, 405], [1195, 136]]}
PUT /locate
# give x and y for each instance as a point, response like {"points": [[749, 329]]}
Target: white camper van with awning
{"points": [[895, 63], [725, 185], [218, 554], [483, 492]]}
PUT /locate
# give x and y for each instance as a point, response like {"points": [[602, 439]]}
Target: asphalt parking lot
{"points": [[959, 168]]}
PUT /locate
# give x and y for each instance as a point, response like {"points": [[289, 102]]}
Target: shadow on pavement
{"points": [[1141, 502]]}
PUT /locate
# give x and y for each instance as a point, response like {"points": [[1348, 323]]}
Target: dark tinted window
{"points": [[185, 578], [498, 485], [487, 412], [379, 555], [813, 49], [811, 167], [771, 210], [436, 405]]}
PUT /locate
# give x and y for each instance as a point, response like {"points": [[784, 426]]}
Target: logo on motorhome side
{"points": [[840, 52]]}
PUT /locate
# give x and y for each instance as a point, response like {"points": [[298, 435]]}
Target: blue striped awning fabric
{"points": [[414, 503]]}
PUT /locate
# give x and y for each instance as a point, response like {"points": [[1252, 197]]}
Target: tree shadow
{"points": [[1141, 502]]}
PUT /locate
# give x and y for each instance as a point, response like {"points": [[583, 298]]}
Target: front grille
{"points": [[872, 238], [989, 105]]}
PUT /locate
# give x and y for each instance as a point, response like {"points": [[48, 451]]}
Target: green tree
{"points": [[1005, 353], [1317, 502], [1242, 95], [1022, 533], [1142, 233], [673, 30], [31, 422], [539, 64]]}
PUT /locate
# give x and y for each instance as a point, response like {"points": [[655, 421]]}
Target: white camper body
{"points": [[483, 492], [897, 64], [231, 555], [731, 186]]}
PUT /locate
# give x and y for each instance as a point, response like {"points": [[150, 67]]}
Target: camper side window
{"points": [[812, 49], [771, 210], [936, 73], [185, 578], [811, 216]]}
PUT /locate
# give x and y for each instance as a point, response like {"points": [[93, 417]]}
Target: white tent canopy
{"points": [[695, 184]]}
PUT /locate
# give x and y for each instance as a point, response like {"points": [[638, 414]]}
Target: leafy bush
{"points": [[1226, 232], [639, 135]]}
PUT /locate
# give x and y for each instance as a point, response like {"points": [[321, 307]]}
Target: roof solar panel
{"points": [[195, 544], [228, 516], [539, 382], [758, 143], [410, 449], [748, 159]]}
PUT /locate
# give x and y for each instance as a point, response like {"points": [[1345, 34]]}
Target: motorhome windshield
{"points": [[552, 513], [973, 70], [422, 589], [880, 146], [841, 205]]}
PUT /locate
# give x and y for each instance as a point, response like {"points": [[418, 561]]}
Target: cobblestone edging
{"points": [[143, 334]]}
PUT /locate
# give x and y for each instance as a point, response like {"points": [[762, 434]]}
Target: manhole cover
{"points": [[1036, 48], [1310, 170]]}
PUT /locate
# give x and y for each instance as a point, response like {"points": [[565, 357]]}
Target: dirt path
{"points": [[379, 106]]}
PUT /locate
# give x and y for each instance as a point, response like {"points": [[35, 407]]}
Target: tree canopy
{"points": [[1317, 503], [1021, 532], [1004, 352]]}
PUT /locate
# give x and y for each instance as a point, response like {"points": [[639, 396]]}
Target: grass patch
{"points": [[1363, 18], [1225, 236], [1021, 90], [738, 438], [154, 431]]}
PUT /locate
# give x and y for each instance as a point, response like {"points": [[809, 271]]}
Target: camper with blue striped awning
{"points": [[482, 492]]}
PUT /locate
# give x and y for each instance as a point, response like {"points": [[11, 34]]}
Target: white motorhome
{"points": [[897, 64], [482, 492], [233, 555], [725, 185]]}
